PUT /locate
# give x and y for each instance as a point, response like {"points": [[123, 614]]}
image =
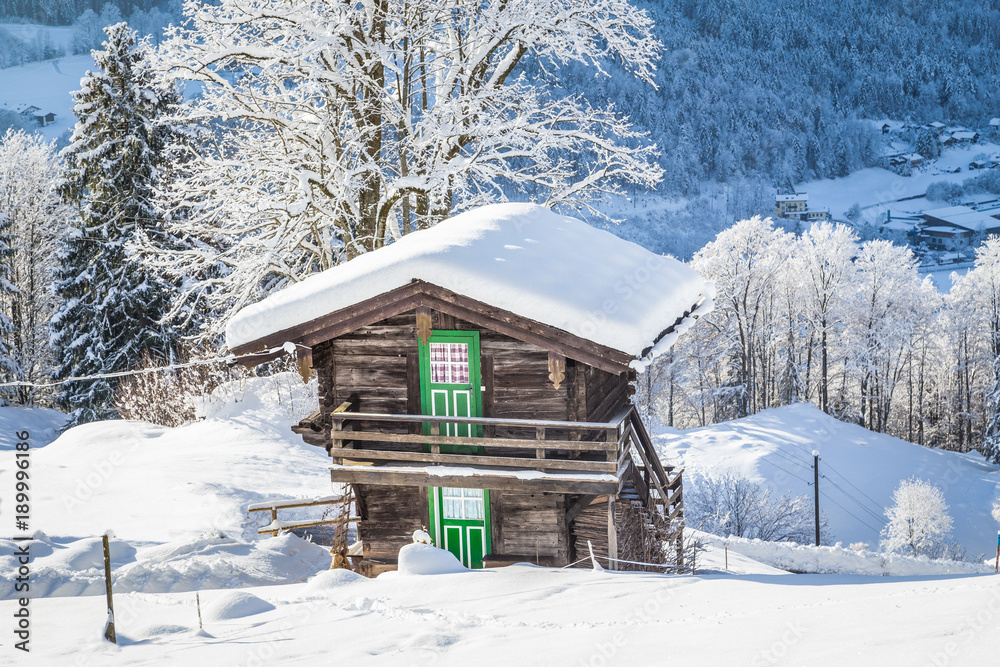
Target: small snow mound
{"points": [[236, 604], [332, 579], [158, 630], [420, 558], [421, 536]]}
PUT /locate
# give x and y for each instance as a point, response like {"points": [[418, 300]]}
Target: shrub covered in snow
{"points": [[919, 523], [735, 505]]}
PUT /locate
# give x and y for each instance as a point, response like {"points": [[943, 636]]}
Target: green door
{"points": [[450, 387]]}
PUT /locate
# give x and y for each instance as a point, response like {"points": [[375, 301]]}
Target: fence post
{"points": [[109, 628]]}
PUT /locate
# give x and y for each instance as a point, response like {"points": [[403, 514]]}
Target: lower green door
{"points": [[450, 377], [462, 525]]}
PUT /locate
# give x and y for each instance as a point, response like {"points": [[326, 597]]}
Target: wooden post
{"points": [[540, 435], [109, 628], [274, 517], [435, 433], [816, 491], [612, 534], [197, 599], [996, 568]]}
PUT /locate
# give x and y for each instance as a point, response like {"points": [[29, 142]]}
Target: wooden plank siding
{"points": [[376, 367]]}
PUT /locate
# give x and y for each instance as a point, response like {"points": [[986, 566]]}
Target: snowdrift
{"points": [[176, 498], [859, 470]]}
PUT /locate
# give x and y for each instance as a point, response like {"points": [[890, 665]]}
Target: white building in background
{"points": [[796, 206]]}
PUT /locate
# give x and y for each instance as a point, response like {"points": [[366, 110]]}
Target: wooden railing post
{"points": [[435, 432], [540, 436], [612, 533]]}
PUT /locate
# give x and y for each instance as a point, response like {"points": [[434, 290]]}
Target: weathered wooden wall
{"points": [[607, 394], [592, 525], [389, 515], [377, 366], [531, 526]]}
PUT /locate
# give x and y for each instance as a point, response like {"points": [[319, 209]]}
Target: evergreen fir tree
{"points": [[110, 303]]}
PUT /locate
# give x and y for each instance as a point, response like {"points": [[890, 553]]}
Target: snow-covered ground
{"points": [[878, 190], [525, 615], [177, 497], [58, 37], [859, 469], [42, 424], [46, 85]]}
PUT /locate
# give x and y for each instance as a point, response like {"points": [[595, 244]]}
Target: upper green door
{"points": [[450, 387]]}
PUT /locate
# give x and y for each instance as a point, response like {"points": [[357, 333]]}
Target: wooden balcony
{"points": [[591, 458]]}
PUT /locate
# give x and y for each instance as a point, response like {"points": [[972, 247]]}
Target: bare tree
{"points": [[339, 126]]}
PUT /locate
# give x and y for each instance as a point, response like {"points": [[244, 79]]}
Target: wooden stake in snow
{"points": [[816, 491], [996, 568], [197, 599], [109, 627]]}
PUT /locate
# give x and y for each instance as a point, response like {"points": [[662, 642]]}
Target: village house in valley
{"points": [[520, 331], [795, 205]]}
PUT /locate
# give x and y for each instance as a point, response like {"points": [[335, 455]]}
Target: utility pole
{"points": [[816, 491]]}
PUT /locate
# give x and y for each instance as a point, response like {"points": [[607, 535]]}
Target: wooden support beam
{"points": [[434, 458], [582, 503], [304, 362], [557, 369], [612, 533], [424, 324], [398, 476]]}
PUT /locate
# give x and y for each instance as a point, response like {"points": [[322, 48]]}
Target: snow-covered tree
{"points": [[979, 295], [33, 217], [343, 125], [919, 523], [110, 302], [8, 357], [824, 255], [888, 299], [734, 505], [746, 263]]}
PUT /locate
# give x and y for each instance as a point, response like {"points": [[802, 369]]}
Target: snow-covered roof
{"points": [[945, 230], [964, 136], [963, 216], [522, 258], [793, 197], [995, 122]]}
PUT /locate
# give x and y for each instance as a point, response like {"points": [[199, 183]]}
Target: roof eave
{"points": [[419, 293]]}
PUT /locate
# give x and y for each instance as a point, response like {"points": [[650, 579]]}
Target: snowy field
{"points": [[46, 85], [524, 615], [860, 470], [878, 190], [58, 37], [176, 499]]}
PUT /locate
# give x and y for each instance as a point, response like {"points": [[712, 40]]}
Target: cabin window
{"points": [[449, 363], [465, 504]]}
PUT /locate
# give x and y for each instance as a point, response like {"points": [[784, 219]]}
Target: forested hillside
{"points": [[771, 89]]}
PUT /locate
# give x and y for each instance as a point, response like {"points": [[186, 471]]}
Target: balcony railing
{"points": [[562, 456]]}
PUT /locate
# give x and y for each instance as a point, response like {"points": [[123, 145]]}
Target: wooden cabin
{"points": [[520, 332]]}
